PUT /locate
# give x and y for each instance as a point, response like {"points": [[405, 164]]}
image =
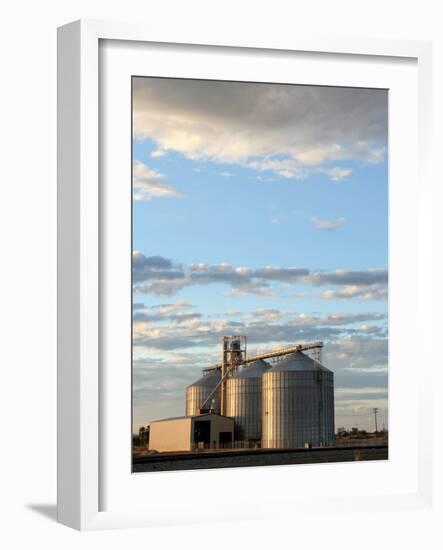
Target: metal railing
{"points": [[246, 444]]}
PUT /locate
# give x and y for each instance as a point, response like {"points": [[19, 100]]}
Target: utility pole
{"points": [[375, 411]]}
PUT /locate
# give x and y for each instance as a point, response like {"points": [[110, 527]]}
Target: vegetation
{"points": [[142, 438]]}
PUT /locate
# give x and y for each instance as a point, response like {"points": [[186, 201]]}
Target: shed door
{"points": [[225, 438], [202, 431]]}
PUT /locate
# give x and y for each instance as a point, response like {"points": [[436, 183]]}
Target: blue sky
{"points": [[259, 210]]}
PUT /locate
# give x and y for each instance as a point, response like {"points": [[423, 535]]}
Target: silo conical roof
{"points": [[212, 378], [253, 370], [298, 361], [203, 392]]}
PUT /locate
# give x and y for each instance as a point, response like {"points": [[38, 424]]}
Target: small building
{"points": [[186, 433]]}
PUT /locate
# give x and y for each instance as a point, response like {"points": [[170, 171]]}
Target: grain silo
{"points": [[297, 404], [244, 400], [197, 394]]}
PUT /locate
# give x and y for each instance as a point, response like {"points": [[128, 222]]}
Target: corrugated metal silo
{"points": [[298, 404], [244, 400], [198, 392]]}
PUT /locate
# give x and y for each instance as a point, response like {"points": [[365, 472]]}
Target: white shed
{"points": [[186, 433]]}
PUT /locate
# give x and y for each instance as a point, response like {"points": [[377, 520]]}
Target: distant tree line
{"points": [[142, 438], [357, 433]]}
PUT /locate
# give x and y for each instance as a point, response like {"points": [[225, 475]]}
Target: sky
{"points": [[259, 209]]}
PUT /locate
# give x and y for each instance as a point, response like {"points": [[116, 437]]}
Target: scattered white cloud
{"points": [[336, 173], [157, 153], [264, 178], [374, 292], [376, 156], [287, 168], [327, 225], [268, 315], [369, 329], [148, 183]]}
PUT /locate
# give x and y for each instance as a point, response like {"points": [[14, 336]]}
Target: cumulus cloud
{"points": [[351, 394], [174, 331], [148, 183], [327, 225], [283, 129], [178, 317], [178, 320], [162, 277], [358, 352], [176, 312], [287, 274], [339, 319], [153, 267]]}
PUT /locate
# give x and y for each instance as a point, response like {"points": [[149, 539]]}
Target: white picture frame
{"points": [[81, 414]]}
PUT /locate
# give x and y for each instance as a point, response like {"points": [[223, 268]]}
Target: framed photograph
{"points": [[251, 186], [242, 264]]}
